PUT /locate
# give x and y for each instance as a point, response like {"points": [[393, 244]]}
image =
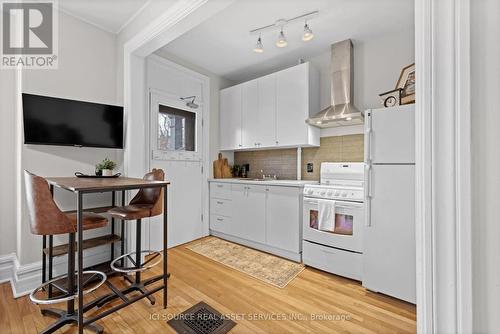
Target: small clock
{"points": [[391, 98]]}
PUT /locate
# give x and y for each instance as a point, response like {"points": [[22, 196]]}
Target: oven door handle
{"points": [[338, 204]]}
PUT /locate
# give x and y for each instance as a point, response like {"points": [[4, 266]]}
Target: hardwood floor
{"points": [[256, 306]]}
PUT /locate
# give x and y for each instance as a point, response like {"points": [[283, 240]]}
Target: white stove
{"points": [[339, 181], [333, 220]]}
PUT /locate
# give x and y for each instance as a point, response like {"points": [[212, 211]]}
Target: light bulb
{"points": [[308, 34], [259, 48], [281, 42]]}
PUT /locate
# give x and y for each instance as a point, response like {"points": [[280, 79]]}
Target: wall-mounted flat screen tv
{"points": [[55, 121]]}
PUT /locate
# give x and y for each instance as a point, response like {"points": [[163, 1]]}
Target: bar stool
{"points": [[146, 203], [47, 219]]}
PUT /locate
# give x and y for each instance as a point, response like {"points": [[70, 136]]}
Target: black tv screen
{"points": [[55, 121]]}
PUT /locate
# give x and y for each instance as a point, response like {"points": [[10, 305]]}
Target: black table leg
{"points": [[71, 273], [51, 244], [44, 259], [51, 262], [112, 227], [165, 257], [79, 207], [122, 231]]}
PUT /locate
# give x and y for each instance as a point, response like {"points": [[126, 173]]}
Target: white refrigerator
{"points": [[389, 236]]}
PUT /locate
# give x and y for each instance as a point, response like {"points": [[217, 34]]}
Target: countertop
{"points": [[287, 183]]}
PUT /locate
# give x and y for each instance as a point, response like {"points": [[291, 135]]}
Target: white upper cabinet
{"points": [[230, 118], [266, 130], [250, 117], [293, 106], [272, 110]]}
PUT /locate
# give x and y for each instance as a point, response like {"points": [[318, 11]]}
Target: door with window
{"points": [[175, 146]]}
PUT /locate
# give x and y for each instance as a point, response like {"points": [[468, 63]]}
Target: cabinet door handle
{"points": [[219, 202], [220, 186], [220, 219]]}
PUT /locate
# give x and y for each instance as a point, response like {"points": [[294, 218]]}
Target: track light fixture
{"points": [[308, 34], [259, 48], [282, 42]]}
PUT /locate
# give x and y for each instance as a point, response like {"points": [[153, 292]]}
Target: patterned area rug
{"points": [[265, 267]]}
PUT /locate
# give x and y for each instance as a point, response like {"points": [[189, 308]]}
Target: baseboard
{"points": [[297, 257], [24, 278], [6, 267]]}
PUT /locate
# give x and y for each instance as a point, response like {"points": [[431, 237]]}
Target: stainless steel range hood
{"points": [[342, 111]]}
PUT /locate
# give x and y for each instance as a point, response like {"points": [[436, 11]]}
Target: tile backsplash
{"points": [[283, 162]]}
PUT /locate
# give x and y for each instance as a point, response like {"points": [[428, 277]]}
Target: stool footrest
{"points": [[59, 283], [155, 258]]}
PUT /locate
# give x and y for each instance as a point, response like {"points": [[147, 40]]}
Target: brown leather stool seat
{"points": [[131, 212], [90, 221], [147, 203], [45, 216]]}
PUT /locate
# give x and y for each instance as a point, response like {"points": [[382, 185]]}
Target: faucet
{"points": [[268, 177]]}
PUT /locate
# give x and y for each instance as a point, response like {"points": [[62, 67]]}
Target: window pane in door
{"points": [[176, 129]]}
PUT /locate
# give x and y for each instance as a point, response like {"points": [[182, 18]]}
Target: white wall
{"points": [[485, 72], [152, 11], [87, 71], [8, 165]]}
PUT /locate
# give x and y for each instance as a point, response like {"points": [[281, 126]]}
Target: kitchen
{"points": [[302, 134]]}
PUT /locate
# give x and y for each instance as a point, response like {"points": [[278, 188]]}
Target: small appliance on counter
{"points": [[333, 220]]}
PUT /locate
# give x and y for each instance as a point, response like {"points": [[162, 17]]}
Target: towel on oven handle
{"points": [[326, 215]]}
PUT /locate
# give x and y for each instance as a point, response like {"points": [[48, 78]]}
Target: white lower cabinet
{"points": [[282, 218], [249, 212], [260, 216]]}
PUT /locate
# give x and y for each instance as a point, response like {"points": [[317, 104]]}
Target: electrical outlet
{"points": [[310, 167]]}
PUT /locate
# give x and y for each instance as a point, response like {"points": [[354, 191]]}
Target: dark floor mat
{"points": [[201, 319]]}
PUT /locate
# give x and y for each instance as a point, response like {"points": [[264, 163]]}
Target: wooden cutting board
{"points": [[218, 167], [226, 170], [221, 168]]}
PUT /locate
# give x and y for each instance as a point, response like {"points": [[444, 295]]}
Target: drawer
{"points": [[333, 260], [220, 190], [220, 223], [221, 207]]}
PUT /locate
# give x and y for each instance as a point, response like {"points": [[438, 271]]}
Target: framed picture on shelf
{"points": [[406, 83]]}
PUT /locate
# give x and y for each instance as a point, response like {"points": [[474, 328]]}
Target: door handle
{"points": [[220, 219], [219, 202], [368, 195]]}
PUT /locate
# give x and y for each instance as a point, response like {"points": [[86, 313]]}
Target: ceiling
{"points": [[110, 15], [224, 46]]}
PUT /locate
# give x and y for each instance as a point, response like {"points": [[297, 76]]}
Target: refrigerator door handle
{"points": [[368, 194], [368, 138]]}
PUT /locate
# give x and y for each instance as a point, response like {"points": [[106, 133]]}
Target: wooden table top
{"points": [[78, 184]]}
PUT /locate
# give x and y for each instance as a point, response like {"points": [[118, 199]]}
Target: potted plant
{"points": [[105, 167]]}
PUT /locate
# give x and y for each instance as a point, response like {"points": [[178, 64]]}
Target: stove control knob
{"points": [[337, 193], [322, 193], [329, 194], [309, 191], [344, 194]]}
